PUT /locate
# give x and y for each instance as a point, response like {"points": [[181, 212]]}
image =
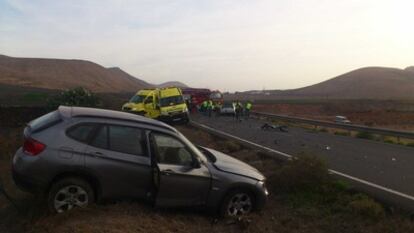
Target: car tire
{"points": [[236, 203], [69, 193]]}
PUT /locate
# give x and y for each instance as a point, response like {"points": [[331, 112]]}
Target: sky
{"points": [[230, 45]]}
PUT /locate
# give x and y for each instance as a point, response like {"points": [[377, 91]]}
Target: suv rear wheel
{"points": [[68, 193]]}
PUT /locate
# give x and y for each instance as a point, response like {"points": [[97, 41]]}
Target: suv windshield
{"points": [[172, 100], [137, 99]]}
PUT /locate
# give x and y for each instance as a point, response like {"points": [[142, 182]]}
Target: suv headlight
{"points": [[262, 185]]}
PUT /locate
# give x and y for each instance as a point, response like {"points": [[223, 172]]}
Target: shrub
{"points": [[302, 174], [229, 146], [323, 130], [411, 144], [342, 133], [365, 135], [75, 97], [340, 185], [35, 97], [390, 141], [366, 207]]}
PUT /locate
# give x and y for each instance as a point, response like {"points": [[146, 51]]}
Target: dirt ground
{"points": [[302, 211], [393, 115]]}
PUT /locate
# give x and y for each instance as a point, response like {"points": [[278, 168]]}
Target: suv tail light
{"points": [[33, 147]]}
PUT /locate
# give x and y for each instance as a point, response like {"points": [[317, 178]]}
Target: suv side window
{"points": [[126, 139], [81, 132], [101, 138], [169, 150]]}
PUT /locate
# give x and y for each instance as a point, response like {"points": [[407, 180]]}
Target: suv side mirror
{"points": [[196, 163]]}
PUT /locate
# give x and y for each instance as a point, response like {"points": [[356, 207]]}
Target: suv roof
{"points": [[69, 112]]}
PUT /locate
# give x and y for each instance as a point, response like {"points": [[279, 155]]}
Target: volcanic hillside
{"points": [[172, 84], [365, 83], [62, 74], [377, 83]]}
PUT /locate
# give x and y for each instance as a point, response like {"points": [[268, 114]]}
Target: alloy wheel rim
{"points": [[69, 197], [239, 204]]}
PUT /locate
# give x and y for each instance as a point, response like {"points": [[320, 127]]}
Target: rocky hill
{"points": [[62, 74], [377, 83]]}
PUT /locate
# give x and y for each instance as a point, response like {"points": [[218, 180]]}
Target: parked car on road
{"points": [[79, 155], [228, 108], [342, 120]]}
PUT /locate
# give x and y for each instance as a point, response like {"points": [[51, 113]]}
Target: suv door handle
{"points": [[168, 172], [97, 154]]}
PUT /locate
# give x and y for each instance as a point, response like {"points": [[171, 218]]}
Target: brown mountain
{"points": [[62, 74], [172, 84], [122, 74], [365, 83], [410, 68]]}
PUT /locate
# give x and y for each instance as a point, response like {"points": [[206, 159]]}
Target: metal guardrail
{"points": [[380, 131]]}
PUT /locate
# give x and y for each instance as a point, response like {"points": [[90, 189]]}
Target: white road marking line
{"points": [[330, 170], [372, 185]]}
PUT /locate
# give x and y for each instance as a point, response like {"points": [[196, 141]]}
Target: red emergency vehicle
{"points": [[196, 96]]}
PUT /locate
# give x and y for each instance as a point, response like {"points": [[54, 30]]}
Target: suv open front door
{"points": [[181, 179]]}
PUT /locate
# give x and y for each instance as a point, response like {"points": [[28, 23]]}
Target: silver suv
{"points": [[77, 156]]}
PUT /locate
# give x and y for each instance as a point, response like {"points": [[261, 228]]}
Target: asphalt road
{"points": [[388, 165]]}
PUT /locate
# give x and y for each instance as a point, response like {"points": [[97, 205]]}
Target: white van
{"points": [[342, 120]]}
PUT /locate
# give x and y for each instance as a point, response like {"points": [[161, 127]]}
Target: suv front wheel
{"points": [[236, 203], [69, 193]]}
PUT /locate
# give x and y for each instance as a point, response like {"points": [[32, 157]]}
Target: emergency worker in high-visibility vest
{"points": [[203, 107], [210, 107], [248, 108], [239, 110]]}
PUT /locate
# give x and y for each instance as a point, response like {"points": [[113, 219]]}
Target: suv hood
{"points": [[229, 164]]}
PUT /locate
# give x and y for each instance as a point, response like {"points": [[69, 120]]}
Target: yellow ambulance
{"points": [[165, 104]]}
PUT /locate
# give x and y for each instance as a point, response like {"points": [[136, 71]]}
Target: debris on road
{"points": [[281, 128]]}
